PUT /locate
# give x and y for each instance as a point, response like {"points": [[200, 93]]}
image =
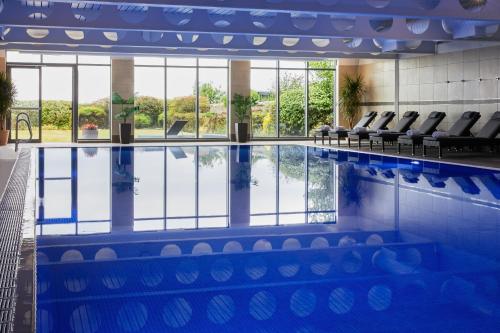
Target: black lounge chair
{"points": [[380, 124], [485, 138], [176, 128], [401, 127], [426, 129], [365, 121]]}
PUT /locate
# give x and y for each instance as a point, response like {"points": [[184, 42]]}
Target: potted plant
{"points": [[7, 95], [350, 97], [242, 105], [90, 131], [127, 109]]}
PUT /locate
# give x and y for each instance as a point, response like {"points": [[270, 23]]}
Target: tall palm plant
{"points": [[7, 95], [350, 97]]}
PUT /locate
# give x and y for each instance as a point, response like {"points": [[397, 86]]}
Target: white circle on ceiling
{"points": [[178, 16], [343, 23], [290, 41], [257, 40], [352, 42], [221, 18], [417, 26], [187, 38], [222, 39], [133, 14], [37, 33], [114, 36], [85, 12], [262, 19], [75, 34], [321, 42], [303, 21]]}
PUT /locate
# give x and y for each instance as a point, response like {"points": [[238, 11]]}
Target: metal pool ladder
{"points": [[22, 117]]}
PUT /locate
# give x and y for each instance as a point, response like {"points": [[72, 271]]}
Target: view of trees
{"points": [[292, 100]]}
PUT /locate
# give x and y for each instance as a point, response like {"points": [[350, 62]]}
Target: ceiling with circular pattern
{"points": [[300, 28]]}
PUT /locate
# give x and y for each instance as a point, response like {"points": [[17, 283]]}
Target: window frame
{"points": [[307, 70]]}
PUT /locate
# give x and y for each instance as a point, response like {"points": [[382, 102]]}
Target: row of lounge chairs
{"points": [[458, 136]]}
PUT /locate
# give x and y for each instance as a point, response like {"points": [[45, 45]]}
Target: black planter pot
{"points": [[125, 133], [241, 130]]}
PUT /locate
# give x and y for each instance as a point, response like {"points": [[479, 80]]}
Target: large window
{"points": [[181, 98], [150, 95], [291, 97], [61, 107], [94, 90], [263, 86]]}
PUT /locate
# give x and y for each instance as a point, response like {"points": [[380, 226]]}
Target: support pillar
{"points": [[239, 84], [122, 82]]}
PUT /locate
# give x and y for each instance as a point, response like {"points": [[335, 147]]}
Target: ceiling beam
{"points": [[129, 51], [445, 9], [203, 41], [111, 19]]}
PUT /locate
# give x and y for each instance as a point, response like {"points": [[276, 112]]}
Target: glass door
{"points": [[27, 82], [57, 103], [45, 93]]}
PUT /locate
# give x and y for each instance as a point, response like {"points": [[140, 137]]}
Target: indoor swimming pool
{"points": [[263, 238]]}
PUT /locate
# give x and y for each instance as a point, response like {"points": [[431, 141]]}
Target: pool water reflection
{"points": [[264, 239]]}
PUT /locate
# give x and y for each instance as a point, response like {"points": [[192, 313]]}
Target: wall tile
{"points": [[426, 61], [389, 65], [471, 55], [471, 89], [389, 78], [455, 57], [455, 90], [427, 92], [413, 92], [441, 73], [440, 91], [403, 76], [489, 69], [403, 93], [413, 76], [412, 63], [488, 89], [426, 75], [455, 72], [471, 70], [440, 59], [489, 53]]}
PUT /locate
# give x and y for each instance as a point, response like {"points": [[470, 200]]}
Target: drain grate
{"points": [[11, 221]]}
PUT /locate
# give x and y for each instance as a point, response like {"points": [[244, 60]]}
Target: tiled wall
{"points": [[452, 83], [379, 79]]}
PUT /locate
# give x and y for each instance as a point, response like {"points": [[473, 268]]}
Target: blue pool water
{"points": [[265, 239]]}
